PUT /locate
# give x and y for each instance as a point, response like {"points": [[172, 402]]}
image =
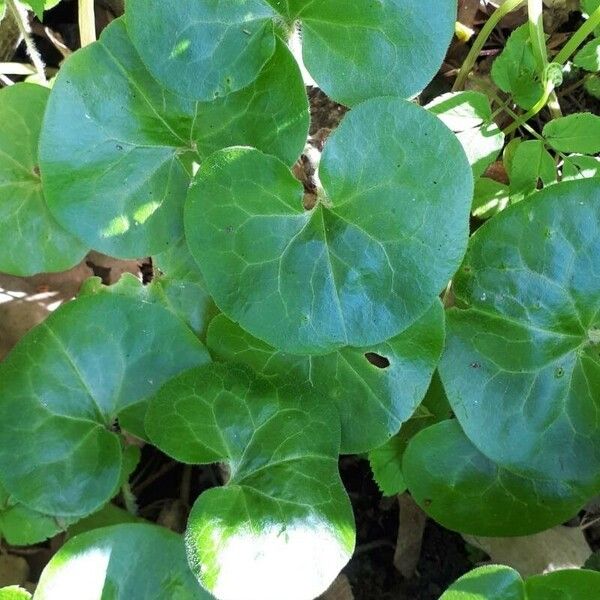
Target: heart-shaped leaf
{"points": [[496, 582], [63, 387], [366, 262], [463, 490], [116, 148], [282, 526], [121, 562], [32, 240], [375, 389], [354, 50], [522, 362]]}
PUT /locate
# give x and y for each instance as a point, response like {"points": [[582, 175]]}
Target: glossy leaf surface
{"points": [[463, 490], [373, 400], [32, 240], [117, 149], [361, 266], [354, 51], [522, 361], [64, 385], [121, 562], [282, 526]]}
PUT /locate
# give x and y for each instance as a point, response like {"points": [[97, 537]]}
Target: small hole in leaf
{"points": [[381, 362], [559, 372], [36, 170]]}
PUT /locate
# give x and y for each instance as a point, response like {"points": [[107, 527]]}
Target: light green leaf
{"points": [[21, 526], [373, 401], [469, 115], [14, 592], [521, 365], [116, 149], [588, 57], [579, 132], [205, 49], [497, 582], [532, 165], [2, 9], [579, 166], [282, 526], [63, 387], [592, 86], [121, 562], [493, 582], [37, 6], [354, 51], [588, 7], [32, 241], [463, 490], [515, 69], [490, 198], [311, 281], [386, 461]]}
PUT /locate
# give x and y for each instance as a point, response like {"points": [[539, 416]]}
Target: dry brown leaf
{"points": [[551, 550], [410, 536]]}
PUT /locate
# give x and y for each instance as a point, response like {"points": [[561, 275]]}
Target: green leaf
{"points": [[570, 584], [355, 51], [373, 401], [282, 526], [32, 241], [579, 166], [37, 6], [469, 115], [2, 9], [490, 198], [386, 461], [107, 516], [117, 149], [463, 490], [121, 562], [515, 69], [588, 57], [522, 360], [579, 132], [14, 592], [496, 582], [493, 582], [21, 526], [227, 43], [532, 165], [311, 281], [64, 385], [588, 7]]}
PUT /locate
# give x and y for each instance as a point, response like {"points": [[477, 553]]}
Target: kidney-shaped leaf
{"points": [[496, 582], [63, 387], [282, 526], [32, 241], [463, 490], [361, 266], [116, 148], [121, 562], [354, 50], [375, 389], [522, 363]]}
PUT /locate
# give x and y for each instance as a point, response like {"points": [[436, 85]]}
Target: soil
{"points": [[165, 490]]}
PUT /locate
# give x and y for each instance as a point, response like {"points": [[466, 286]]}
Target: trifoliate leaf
{"points": [[362, 265], [117, 149], [282, 526], [32, 240], [354, 51], [532, 167], [121, 562], [521, 365], [515, 69], [373, 400], [463, 490], [579, 132], [66, 383]]}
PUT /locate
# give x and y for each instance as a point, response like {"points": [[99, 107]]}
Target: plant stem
{"points": [[87, 22], [578, 38], [535, 9], [481, 39], [539, 105], [129, 499], [21, 20]]}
